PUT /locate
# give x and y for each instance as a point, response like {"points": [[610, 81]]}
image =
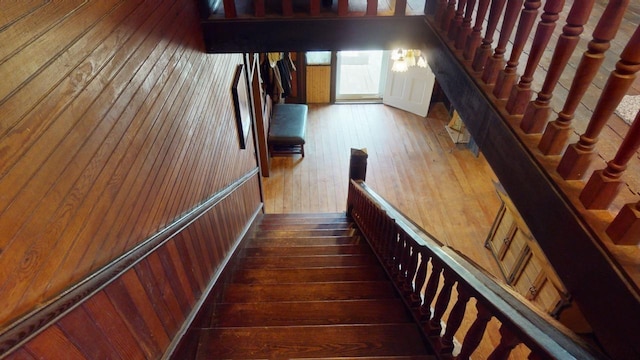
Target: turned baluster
{"points": [[449, 12], [401, 8], [484, 51], [508, 341], [421, 277], [403, 262], [578, 156], [287, 7], [314, 7], [625, 228], [604, 185], [465, 29], [431, 289], [435, 327], [259, 8], [473, 41], [507, 76], [397, 255], [455, 319], [372, 7], [343, 7], [441, 8], [229, 9], [392, 244], [476, 331], [456, 22], [557, 132], [538, 111], [407, 286], [496, 62], [521, 93]]}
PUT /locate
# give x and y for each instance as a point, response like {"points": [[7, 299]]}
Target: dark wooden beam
{"points": [[606, 297], [264, 35]]}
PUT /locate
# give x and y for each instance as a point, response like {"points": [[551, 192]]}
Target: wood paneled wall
{"points": [[138, 314], [114, 123]]}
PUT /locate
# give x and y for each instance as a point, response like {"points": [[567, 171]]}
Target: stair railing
{"points": [[427, 273], [530, 116]]}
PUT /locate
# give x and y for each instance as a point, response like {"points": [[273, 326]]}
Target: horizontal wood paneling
{"points": [[139, 313], [115, 123]]}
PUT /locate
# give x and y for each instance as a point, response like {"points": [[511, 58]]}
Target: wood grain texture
{"points": [[111, 129], [115, 125]]}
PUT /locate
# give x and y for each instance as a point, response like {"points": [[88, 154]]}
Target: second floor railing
{"points": [[507, 67], [429, 274]]}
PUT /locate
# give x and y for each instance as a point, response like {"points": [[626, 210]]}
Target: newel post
{"points": [[358, 164]]}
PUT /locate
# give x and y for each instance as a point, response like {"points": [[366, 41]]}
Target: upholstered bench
{"points": [[287, 129]]}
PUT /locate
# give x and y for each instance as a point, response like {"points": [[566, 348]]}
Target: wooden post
{"points": [[229, 9], [521, 94], [604, 185], [537, 112], [455, 319], [496, 62], [372, 7], [507, 77], [447, 16], [578, 156], [557, 132], [259, 9], [484, 51], [474, 39], [343, 7], [476, 331], [314, 7], [441, 8], [287, 7], [508, 341], [625, 228], [456, 22], [401, 8], [465, 29], [358, 164]]}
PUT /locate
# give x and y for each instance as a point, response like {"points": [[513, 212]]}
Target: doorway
{"points": [[361, 75]]}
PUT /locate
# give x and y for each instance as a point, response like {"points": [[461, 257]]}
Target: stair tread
{"points": [[310, 291], [328, 274], [306, 226], [262, 262], [303, 233], [378, 311], [308, 250], [311, 341], [284, 216], [304, 241]]}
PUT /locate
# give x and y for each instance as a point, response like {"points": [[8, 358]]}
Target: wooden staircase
{"points": [[309, 286]]}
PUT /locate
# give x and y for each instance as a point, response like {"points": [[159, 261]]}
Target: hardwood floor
{"points": [[412, 163]]}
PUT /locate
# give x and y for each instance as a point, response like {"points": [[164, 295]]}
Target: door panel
{"points": [[411, 90]]}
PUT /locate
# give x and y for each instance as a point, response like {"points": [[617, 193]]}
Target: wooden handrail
{"points": [[406, 249]]}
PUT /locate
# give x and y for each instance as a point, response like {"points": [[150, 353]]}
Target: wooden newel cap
{"points": [[358, 164]]}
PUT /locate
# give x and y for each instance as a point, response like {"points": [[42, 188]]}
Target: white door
{"points": [[411, 90]]}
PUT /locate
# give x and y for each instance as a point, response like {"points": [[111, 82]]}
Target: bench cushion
{"points": [[288, 124]]}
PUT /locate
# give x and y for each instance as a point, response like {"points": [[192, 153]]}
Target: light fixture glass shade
{"points": [[400, 66], [410, 58], [422, 62]]}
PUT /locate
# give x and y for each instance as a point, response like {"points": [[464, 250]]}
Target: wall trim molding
{"points": [[30, 325]]}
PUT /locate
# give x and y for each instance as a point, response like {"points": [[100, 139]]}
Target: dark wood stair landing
{"points": [[309, 286]]}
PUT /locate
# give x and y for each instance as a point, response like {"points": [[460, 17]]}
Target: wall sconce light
{"points": [[404, 59]]}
